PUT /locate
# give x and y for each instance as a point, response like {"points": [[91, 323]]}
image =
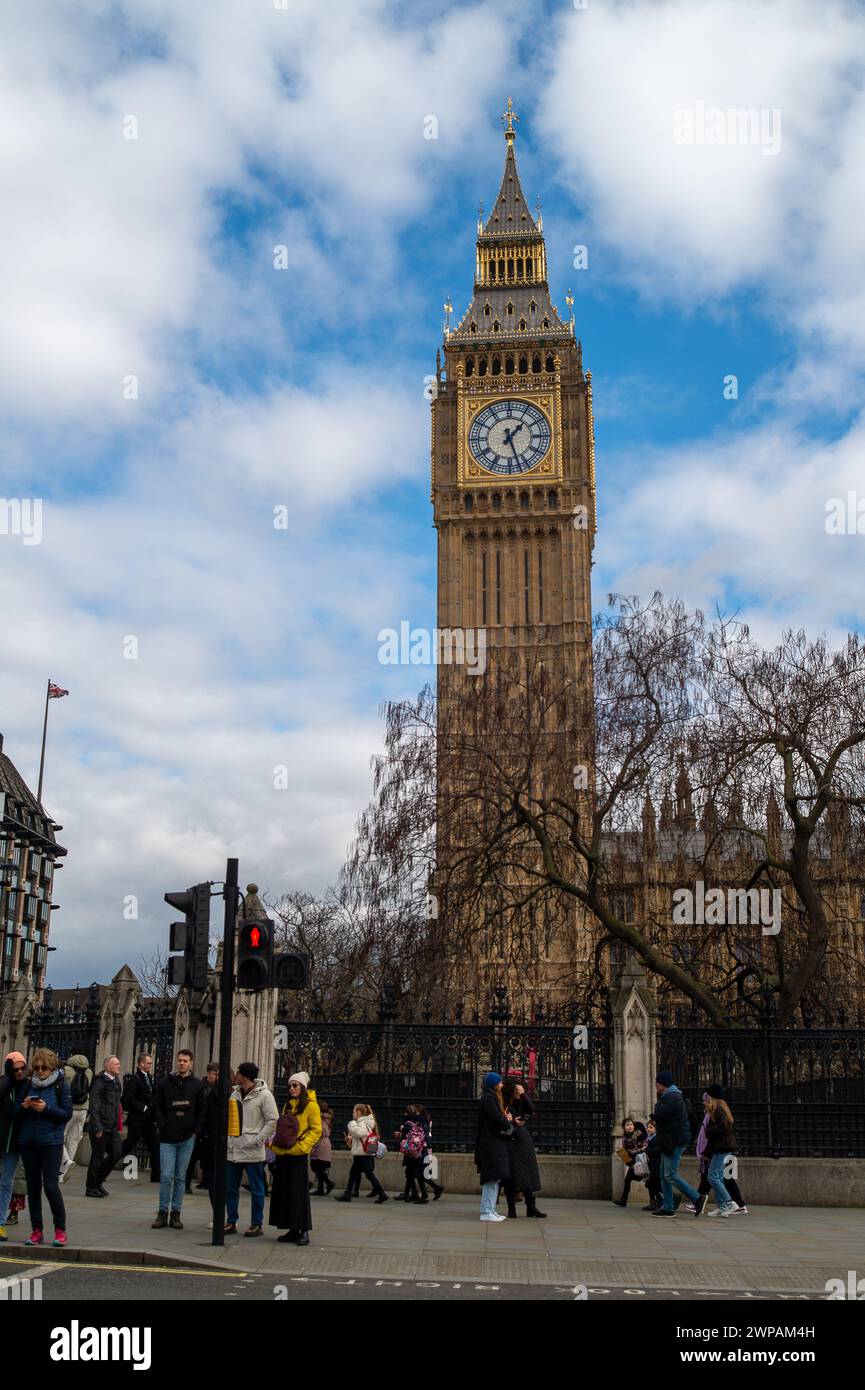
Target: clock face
{"points": [[509, 436]]}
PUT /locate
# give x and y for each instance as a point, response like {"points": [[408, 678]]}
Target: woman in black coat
{"points": [[492, 1146], [525, 1176]]}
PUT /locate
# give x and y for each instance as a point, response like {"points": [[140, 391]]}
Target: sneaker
{"points": [[493, 1216], [382, 1197], [230, 1228], [175, 1222], [93, 1192], [728, 1211], [252, 1231], [160, 1222], [104, 1190], [35, 1238], [59, 1237], [689, 1206], [741, 1211], [714, 1212], [663, 1211]]}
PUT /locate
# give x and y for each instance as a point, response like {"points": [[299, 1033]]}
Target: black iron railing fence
{"points": [[67, 1027], [793, 1092], [388, 1064]]}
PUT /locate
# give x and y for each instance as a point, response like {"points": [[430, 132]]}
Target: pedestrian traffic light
{"points": [[255, 954], [291, 970], [191, 936]]}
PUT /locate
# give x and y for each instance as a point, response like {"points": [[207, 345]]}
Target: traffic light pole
{"points": [[229, 892]]}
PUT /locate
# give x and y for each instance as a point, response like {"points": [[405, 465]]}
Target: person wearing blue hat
{"points": [[492, 1156]]}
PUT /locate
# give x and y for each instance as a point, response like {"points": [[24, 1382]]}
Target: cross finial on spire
{"points": [[510, 116]]}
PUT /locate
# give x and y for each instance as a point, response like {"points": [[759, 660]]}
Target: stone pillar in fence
{"points": [[123, 995], [634, 1006], [16, 1008]]}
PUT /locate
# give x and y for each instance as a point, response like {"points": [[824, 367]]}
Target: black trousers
{"points": [[414, 1177], [363, 1165], [104, 1153], [705, 1187], [143, 1130]]}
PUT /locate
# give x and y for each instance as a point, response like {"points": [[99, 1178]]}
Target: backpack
{"points": [[287, 1130], [414, 1142], [371, 1143], [79, 1085]]}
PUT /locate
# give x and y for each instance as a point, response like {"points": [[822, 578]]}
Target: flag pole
{"points": [[44, 734]]}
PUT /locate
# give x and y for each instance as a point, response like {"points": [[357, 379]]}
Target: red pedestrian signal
{"points": [[255, 955]]}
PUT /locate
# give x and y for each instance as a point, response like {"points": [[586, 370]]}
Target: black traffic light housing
{"points": [[191, 936], [255, 954], [291, 970]]}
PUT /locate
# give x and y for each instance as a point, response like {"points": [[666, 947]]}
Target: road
{"points": [[103, 1283]]}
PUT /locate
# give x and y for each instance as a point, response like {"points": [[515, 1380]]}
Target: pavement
{"points": [[791, 1251]]}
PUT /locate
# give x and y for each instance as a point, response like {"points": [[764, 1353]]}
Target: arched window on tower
{"points": [[546, 323], [497, 501], [524, 501], [470, 366], [468, 502], [524, 365], [501, 269], [536, 363], [510, 267], [519, 267], [509, 366], [529, 267], [522, 325], [473, 328], [496, 326], [533, 308], [482, 366], [492, 270], [497, 366], [551, 365], [552, 498]]}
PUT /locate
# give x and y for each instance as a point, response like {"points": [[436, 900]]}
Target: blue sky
{"points": [[152, 257]]}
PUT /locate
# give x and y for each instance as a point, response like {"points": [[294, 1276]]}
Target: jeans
{"points": [[104, 1153], [716, 1178], [233, 1174], [42, 1166], [489, 1193], [173, 1163], [8, 1164], [670, 1178]]}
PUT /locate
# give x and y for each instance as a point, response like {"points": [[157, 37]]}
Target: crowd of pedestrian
{"points": [[652, 1153], [45, 1109]]}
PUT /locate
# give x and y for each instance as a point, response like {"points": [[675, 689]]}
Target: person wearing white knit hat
{"points": [[297, 1133]]}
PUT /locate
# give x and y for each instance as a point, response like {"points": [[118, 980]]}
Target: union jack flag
{"points": [[54, 691]]}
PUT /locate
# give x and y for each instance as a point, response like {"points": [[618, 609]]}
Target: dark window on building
{"points": [[498, 586], [540, 586], [484, 589], [497, 502], [551, 365], [468, 502], [536, 363], [524, 501], [526, 585], [552, 498]]}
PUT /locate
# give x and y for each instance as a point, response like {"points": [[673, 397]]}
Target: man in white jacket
{"points": [[252, 1117]]}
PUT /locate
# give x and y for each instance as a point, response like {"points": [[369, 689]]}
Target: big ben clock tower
{"points": [[513, 479]]}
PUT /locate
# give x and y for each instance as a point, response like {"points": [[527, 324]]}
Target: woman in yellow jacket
{"points": [[290, 1206]]}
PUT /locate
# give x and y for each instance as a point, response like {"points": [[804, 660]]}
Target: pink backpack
{"points": [[414, 1142]]}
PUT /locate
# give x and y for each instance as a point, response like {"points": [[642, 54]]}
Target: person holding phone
{"points": [[45, 1109]]}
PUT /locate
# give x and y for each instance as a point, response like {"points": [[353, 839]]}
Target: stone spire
{"points": [[685, 817]]}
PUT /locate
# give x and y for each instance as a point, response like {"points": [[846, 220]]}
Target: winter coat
{"points": [[258, 1117], [43, 1128], [138, 1100], [492, 1145], [635, 1143], [178, 1106], [653, 1153], [105, 1093], [720, 1137], [360, 1130], [323, 1150], [10, 1116], [671, 1121], [309, 1127], [525, 1174], [79, 1060]]}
